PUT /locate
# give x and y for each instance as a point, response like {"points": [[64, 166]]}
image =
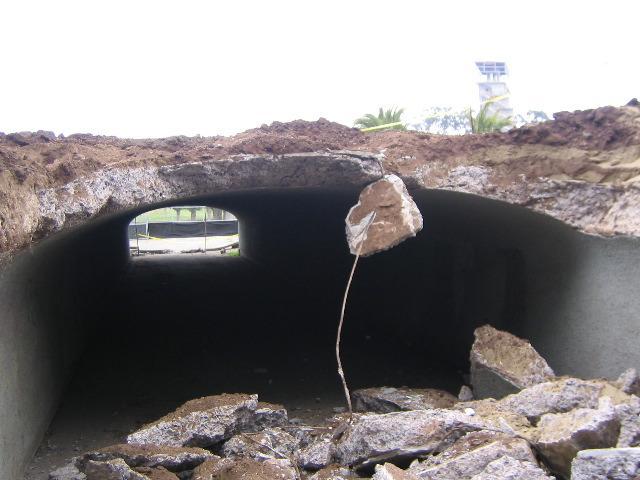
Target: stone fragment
{"points": [[317, 455], [68, 472], [115, 469], [396, 217], [389, 471], [245, 469], [502, 363], [557, 396], [629, 382], [471, 454], [171, 458], [560, 436], [157, 473], [334, 472], [270, 443], [269, 415], [606, 464], [465, 394], [509, 468], [201, 422], [375, 438], [390, 399], [628, 414]]}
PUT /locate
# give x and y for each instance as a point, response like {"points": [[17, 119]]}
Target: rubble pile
{"points": [[548, 427]]}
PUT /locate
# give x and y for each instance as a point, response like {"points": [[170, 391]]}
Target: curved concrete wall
{"points": [[476, 261]]}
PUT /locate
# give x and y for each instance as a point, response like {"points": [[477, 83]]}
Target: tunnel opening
{"points": [[165, 231], [135, 339]]}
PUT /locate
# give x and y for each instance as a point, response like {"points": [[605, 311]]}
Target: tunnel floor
{"points": [[186, 326]]}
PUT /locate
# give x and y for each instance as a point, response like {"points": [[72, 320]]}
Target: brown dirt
{"points": [[597, 146]]}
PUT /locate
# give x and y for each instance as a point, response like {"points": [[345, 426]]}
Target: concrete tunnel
{"points": [[95, 343], [104, 342]]}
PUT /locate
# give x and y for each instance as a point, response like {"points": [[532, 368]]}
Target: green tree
{"points": [[390, 115], [485, 122]]}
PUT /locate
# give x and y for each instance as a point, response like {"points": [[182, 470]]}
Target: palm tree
{"points": [[390, 115], [484, 122]]}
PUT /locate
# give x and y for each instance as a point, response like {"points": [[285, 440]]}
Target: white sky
{"points": [[140, 68]]}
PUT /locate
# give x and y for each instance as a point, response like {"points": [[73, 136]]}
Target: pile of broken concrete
{"points": [[536, 426]]}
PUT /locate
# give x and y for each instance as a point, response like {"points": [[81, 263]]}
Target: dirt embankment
{"points": [[600, 146]]}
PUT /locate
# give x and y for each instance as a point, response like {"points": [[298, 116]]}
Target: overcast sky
{"points": [[140, 68]]}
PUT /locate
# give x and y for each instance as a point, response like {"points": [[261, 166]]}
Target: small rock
{"points": [[68, 472], [158, 473], [333, 472], [389, 471], [339, 409], [115, 469], [390, 399], [268, 415], [245, 469], [471, 454], [317, 455], [397, 217], [606, 464], [560, 436], [171, 458], [629, 382], [628, 414], [508, 468], [374, 438], [201, 422], [270, 443], [502, 363], [466, 394]]}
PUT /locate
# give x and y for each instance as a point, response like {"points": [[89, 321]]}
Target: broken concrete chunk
{"points": [[465, 394], [561, 436], [334, 472], [471, 454], [389, 471], [157, 473], [375, 438], [509, 468], [201, 422], [68, 472], [502, 363], [396, 217], [606, 464], [557, 396], [245, 469], [269, 415], [270, 443], [317, 455], [171, 458], [115, 469], [629, 382], [390, 399]]}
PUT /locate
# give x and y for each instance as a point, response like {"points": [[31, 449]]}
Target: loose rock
{"points": [[397, 217], [158, 473], [269, 415], [68, 472], [471, 454], [334, 472], [606, 464], [270, 443], [317, 455], [561, 436], [390, 399], [375, 438], [502, 363], [201, 422], [466, 394], [115, 469], [171, 458], [508, 468], [245, 469], [389, 471], [629, 382]]}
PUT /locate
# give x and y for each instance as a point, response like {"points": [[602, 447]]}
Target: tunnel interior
{"points": [[105, 342]]}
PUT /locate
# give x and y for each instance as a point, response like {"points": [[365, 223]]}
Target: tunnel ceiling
{"points": [[582, 168]]}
